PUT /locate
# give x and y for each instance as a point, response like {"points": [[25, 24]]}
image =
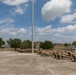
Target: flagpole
{"points": [[32, 26]]}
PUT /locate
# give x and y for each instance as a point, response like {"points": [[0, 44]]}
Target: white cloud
{"points": [[14, 2], [44, 30], [20, 5], [22, 31], [11, 31], [20, 9], [68, 18], [60, 34], [55, 8], [32, 0], [61, 30], [6, 20]]}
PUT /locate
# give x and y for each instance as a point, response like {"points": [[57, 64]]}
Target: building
{"points": [[73, 48], [37, 44], [5, 46]]}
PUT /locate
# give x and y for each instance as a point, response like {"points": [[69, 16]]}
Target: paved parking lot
{"points": [[59, 67], [13, 63]]}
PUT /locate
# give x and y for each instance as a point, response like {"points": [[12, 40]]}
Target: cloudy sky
{"points": [[55, 20]]}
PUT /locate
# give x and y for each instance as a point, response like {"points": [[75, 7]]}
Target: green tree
{"points": [[66, 44], [14, 43], [23, 45], [9, 41], [26, 44], [2, 42], [74, 43], [46, 45]]}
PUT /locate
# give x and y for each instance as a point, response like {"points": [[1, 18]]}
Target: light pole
{"points": [[32, 26]]}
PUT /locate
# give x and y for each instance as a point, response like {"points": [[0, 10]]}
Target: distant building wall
{"points": [[37, 44], [5, 46]]}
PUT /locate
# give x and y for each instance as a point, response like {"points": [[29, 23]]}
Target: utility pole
{"points": [[32, 26]]}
